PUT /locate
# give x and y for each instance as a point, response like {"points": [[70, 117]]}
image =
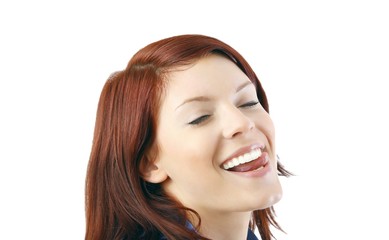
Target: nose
{"points": [[235, 122]]}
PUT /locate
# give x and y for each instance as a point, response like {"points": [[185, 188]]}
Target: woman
{"points": [[183, 147]]}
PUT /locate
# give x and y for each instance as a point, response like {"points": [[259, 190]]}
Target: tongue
{"points": [[246, 167]]}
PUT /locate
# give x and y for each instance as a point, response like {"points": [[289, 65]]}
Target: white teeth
{"points": [[247, 157], [230, 165], [241, 160], [235, 161]]}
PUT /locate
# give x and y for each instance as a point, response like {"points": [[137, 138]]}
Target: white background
{"points": [[324, 65]]}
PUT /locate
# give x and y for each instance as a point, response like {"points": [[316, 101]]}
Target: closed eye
{"points": [[249, 104], [199, 120]]}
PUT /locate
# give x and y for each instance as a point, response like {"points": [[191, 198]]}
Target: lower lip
{"points": [[260, 172]]}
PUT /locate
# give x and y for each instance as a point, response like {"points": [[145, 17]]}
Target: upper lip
{"points": [[244, 150]]}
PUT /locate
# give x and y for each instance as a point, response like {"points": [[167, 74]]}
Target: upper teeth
{"points": [[247, 157]]}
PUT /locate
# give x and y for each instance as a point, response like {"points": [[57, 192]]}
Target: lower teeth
{"points": [[259, 168]]}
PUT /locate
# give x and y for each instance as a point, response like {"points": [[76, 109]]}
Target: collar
{"points": [[250, 234]]}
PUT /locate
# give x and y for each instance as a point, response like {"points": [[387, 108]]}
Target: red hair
{"points": [[119, 203]]}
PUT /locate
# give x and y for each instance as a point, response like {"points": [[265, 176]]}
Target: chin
{"points": [[269, 200], [273, 200]]}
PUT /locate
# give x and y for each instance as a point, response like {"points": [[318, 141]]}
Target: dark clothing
{"points": [[250, 236]]}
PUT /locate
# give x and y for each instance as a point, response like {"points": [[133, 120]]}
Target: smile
{"points": [[244, 159]]}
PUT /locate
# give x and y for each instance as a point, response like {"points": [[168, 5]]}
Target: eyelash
{"points": [[249, 104], [201, 119]]}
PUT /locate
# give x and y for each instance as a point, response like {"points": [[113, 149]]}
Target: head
{"points": [[168, 128]]}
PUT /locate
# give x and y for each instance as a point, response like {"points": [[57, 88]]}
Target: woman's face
{"points": [[210, 123]]}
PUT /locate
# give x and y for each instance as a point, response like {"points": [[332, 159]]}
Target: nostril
{"points": [[252, 125], [236, 134], [239, 128]]}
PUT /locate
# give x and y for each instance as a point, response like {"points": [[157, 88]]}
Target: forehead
{"points": [[210, 75]]}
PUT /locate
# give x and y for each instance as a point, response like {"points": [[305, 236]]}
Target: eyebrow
{"points": [[207, 99], [243, 86]]}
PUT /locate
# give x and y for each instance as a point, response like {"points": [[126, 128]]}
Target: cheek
{"points": [[266, 126], [180, 149], [270, 130]]}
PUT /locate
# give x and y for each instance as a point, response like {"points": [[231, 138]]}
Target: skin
{"points": [[195, 137]]}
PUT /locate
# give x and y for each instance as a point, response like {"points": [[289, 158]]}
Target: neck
{"points": [[226, 226]]}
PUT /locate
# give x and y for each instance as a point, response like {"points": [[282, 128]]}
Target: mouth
{"points": [[254, 160]]}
